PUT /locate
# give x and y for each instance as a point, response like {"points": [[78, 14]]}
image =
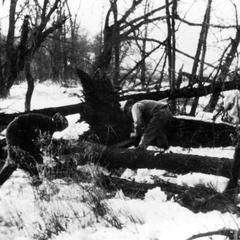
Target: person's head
{"points": [[60, 121], [128, 107]]}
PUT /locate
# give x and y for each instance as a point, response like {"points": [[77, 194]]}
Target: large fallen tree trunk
{"points": [[110, 157]]}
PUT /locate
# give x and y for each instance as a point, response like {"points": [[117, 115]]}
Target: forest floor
{"points": [[62, 209]]}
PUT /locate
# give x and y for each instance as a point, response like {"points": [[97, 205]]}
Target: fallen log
{"points": [[197, 199], [196, 133], [138, 190], [113, 158], [83, 108], [185, 92]]}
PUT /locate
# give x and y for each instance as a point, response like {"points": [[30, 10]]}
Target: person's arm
{"points": [[137, 119]]}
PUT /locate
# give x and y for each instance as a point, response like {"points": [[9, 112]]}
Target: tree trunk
{"points": [[10, 69], [30, 41], [30, 83], [202, 43]]}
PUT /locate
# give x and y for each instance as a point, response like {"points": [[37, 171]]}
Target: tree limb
{"points": [[230, 233]]}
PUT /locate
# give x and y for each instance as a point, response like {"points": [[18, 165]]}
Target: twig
{"points": [[230, 233]]}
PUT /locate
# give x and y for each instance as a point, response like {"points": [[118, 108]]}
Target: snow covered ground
{"points": [[63, 210]]}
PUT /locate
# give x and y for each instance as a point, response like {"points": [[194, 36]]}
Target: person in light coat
{"points": [[150, 119], [229, 107]]}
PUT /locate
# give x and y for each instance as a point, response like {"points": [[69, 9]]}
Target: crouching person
{"points": [[23, 151], [150, 119]]}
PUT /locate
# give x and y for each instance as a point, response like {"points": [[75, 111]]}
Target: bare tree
{"points": [[223, 69], [19, 53], [171, 46], [201, 50], [143, 49], [122, 30]]}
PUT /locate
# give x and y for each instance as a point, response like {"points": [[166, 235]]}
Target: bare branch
{"points": [[230, 233], [142, 17], [137, 26], [54, 26], [139, 63], [44, 9], [53, 8], [135, 3], [164, 44], [200, 24]]}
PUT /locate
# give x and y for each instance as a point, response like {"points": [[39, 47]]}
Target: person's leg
{"points": [[150, 132], [161, 139], [29, 164], [155, 131]]}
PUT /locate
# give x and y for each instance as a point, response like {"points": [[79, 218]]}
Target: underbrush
{"points": [[70, 196]]}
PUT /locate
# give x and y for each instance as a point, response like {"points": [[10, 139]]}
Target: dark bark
{"points": [[30, 83], [201, 50], [111, 42], [107, 121], [9, 71], [196, 133], [138, 190], [232, 187], [114, 158]]}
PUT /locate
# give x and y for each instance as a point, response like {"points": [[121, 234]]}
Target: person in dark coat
{"points": [[23, 150], [150, 119]]}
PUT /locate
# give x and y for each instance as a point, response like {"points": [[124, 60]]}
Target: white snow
{"points": [[47, 94], [67, 208]]}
